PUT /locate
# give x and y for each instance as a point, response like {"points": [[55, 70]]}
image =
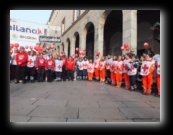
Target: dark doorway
{"points": [[68, 40], [113, 33], [76, 42], [90, 41]]}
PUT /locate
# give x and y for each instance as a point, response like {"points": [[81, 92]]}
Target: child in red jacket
{"points": [[50, 65]]}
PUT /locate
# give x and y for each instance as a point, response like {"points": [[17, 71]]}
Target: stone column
{"points": [[72, 47], [82, 41], [130, 29], [98, 37]]}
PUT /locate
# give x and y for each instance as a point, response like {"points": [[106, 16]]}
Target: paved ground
{"points": [[80, 101]]}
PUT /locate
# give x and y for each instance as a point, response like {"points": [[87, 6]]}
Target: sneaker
{"points": [[20, 81], [135, 87], [132, 88]]}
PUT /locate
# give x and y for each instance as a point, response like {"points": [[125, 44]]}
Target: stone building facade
{"points": [[104, 30]]}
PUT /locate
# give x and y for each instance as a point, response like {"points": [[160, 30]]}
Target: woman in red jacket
{"points": [[21, 60], [50, 65], [70, 66]]}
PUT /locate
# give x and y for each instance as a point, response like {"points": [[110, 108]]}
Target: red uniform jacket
{"points": [[41, 62], [21, 58], [50, 64], [70, 65]]}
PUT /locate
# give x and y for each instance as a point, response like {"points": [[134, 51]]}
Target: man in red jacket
{"points": [[70, 66], [21, 60], [41, 62]]}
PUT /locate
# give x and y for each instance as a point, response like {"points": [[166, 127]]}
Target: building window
{"points": [[76, 14], [63, 26]]}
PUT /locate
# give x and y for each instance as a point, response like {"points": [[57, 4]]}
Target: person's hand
{"points": [[19, 63]]}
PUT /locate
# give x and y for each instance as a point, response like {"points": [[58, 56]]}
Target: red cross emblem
{"points": [[41, 61], [101, 65], [85, 65], [80, 66], [89, 68], [131, 68], [145, 68], [21, 57], [95, 63], [158, 66], [30, 61], [50, 63], [118, 68], [125, 66], [59, 67], [108, 65]]}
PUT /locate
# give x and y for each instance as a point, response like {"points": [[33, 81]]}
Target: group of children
{"points": [[109, 69]]}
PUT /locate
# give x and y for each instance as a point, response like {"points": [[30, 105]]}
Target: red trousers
{"points": [[158, 83], [97, 72], [147, 82], [119, 79], [113, 78], [90, 76], [102, 75], [127, 80]]}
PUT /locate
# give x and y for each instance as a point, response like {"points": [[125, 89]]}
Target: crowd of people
{"points": [[113, 70]]}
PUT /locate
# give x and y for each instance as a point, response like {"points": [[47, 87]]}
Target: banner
{"points": [[25, 33]]}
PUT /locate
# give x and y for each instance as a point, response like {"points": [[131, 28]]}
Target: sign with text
{"points": [[24, 33], [49, 39]]}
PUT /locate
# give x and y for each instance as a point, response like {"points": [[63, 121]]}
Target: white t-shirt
{"points": [[31, 61], [14, 59]]}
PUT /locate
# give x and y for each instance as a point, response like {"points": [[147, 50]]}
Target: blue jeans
{"points": [[84, 72], [58, 74]]}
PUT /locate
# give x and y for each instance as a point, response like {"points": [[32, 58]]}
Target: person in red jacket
{"points": [[50, 65], [21, 60], [41, 67], [70, 66]]}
